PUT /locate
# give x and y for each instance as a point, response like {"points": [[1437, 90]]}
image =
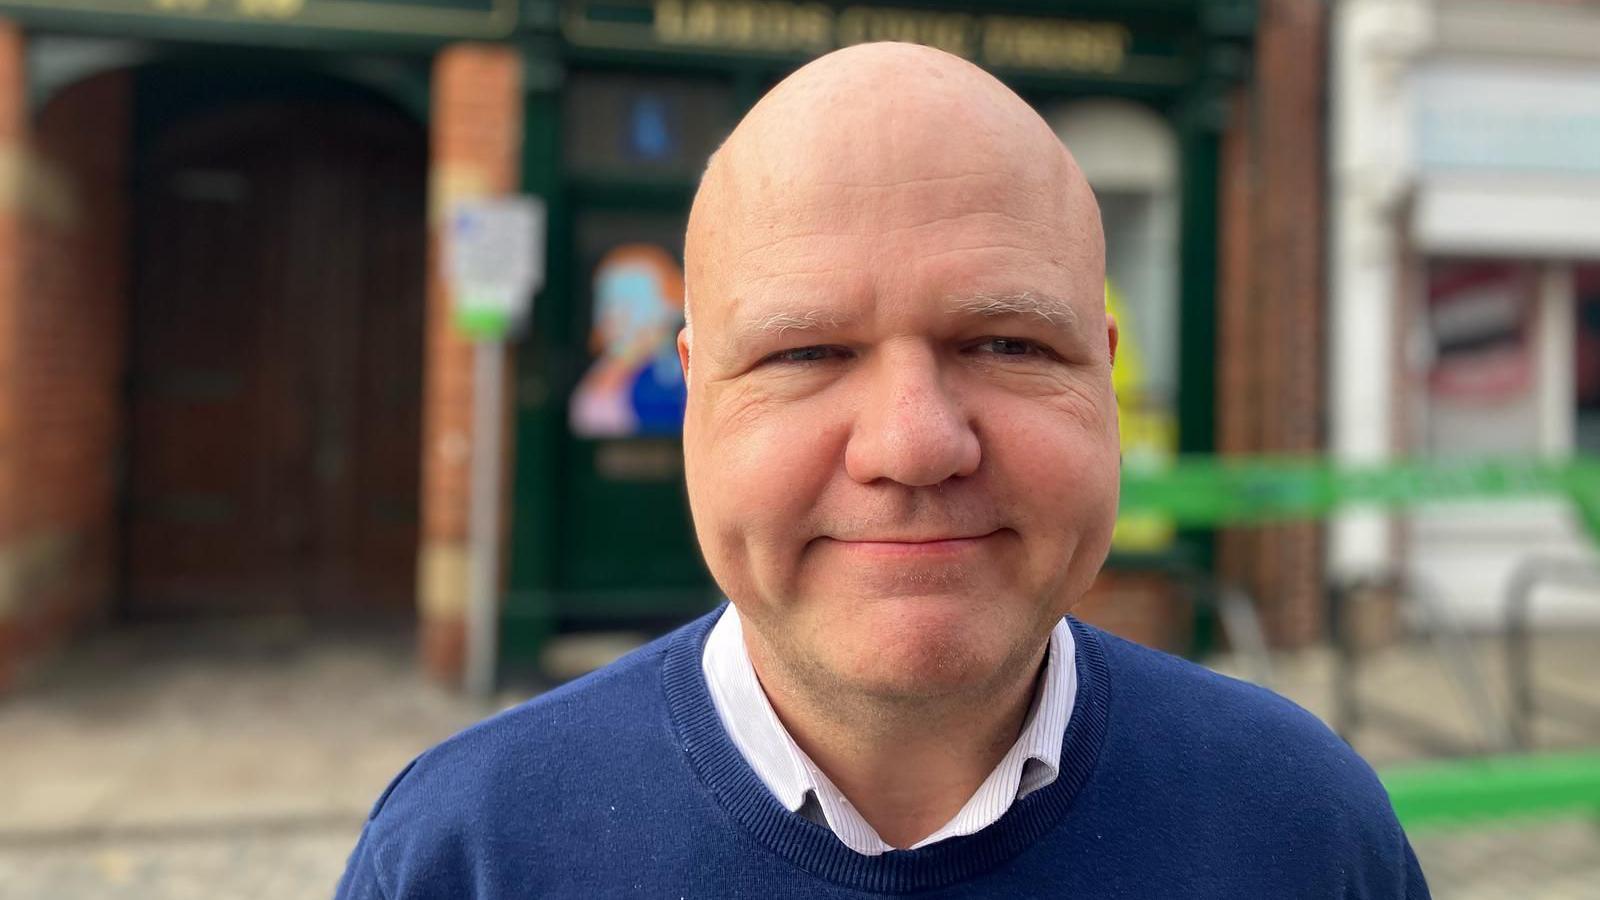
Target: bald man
{"points": [[901, 453]]}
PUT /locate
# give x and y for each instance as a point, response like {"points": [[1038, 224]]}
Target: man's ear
{"points": [[1111, 337], [683, 351]]}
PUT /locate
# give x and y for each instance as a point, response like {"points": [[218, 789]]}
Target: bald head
{"points": [[838, 135]]}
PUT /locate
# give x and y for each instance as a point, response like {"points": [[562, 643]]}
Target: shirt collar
{"points": [[747, 715]]}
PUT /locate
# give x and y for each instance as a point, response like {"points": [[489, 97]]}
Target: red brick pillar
{"points": [[13, 146], [1271, 335], [63, 240], [1239, 387], [476, 152]]}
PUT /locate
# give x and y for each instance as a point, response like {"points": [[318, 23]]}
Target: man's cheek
{"points": [[739, 409], [768, 470], [1052, 473], [790, 445]]}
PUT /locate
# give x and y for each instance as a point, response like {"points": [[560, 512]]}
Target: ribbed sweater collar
{"points": [[814, 848]]}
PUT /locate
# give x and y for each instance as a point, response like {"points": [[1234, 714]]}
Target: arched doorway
{"points": [[274, 364]]}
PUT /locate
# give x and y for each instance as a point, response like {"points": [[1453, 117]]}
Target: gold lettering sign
{"points": [[778, 26], [745, 24], [951, 32], [1049, 44], [639, 460], [274, 9]]}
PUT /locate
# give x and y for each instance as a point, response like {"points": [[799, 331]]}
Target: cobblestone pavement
{"points": [[252, 862], [238, 761], [222, 761], [1555, 860]]}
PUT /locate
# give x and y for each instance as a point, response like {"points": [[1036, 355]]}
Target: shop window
{"points": [[628, 126], [1586, 281], [1482, 384]]}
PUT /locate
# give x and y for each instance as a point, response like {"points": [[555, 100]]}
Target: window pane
{"points": [[632, 126], [1587, 358], [1482, 390]]}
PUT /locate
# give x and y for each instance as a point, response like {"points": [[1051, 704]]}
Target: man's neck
{"points": [[906, 768]]}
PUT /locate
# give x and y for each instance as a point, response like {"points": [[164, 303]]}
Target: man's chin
{"points": [[940, 660], [908, 646]]}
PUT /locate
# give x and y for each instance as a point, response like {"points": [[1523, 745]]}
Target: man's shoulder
{"points": [[581, 732], [1202, 700], [1227, 729], [591, 755], [1255, 780]]}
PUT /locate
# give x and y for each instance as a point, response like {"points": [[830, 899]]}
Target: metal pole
{"points": [[1346, 659], [483, 525]]}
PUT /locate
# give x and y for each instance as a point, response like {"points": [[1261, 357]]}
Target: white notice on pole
{"points": [[494, 260], [494, 253]]}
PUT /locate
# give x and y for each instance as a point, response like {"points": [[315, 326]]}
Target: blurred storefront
{"points": [[231, 384], [1188, 143], [1466, 262], [227, 387]]}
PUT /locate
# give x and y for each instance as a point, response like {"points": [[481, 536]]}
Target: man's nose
{"points": [[910, 427]]}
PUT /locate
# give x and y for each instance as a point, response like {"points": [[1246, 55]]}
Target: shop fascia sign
{"points": [[778, 27], [1488, 116], [443, 19]]}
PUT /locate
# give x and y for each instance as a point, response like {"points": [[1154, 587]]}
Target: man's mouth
{"points": [[916, 545]]}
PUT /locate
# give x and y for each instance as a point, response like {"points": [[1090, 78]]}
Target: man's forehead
{"points": [[778, 317], [797, 232], [859, 125], [827, 184], [832, 179]]}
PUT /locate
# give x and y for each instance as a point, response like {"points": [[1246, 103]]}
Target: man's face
{"points": [[900, 439]]}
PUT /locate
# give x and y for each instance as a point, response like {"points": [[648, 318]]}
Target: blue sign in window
{"points": [[649, 131]]}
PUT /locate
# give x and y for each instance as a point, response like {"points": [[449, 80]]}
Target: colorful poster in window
{"points": [[634, 387], [1148, 428]]}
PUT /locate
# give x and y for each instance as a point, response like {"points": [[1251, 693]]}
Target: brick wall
{"points": [[62, 295], [476, 152], [1271, 293], [1146, 607]]}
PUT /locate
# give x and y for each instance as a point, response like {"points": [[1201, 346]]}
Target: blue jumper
{"points": [[1175, 782]]}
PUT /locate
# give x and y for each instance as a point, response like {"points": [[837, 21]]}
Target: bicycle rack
{"points": [[1449, 644], [1529, 575]]}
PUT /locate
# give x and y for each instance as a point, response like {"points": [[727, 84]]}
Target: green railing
{"points": [[1466, 792], [1221, 491], [1218, 492]]}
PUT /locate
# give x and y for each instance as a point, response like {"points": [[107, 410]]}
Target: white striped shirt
{"points": [[1032, 762]]}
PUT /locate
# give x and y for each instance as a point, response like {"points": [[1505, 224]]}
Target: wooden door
{"points": [[275, 368]]}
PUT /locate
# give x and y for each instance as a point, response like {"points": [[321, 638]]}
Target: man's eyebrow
{"points": [[1051, 310], [778, 324]]}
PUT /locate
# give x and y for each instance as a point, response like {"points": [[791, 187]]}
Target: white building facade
{"points": [[1464, 265]]}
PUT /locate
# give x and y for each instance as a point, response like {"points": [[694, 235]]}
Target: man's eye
{"points": [[805, 355], [1008, 347]]}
